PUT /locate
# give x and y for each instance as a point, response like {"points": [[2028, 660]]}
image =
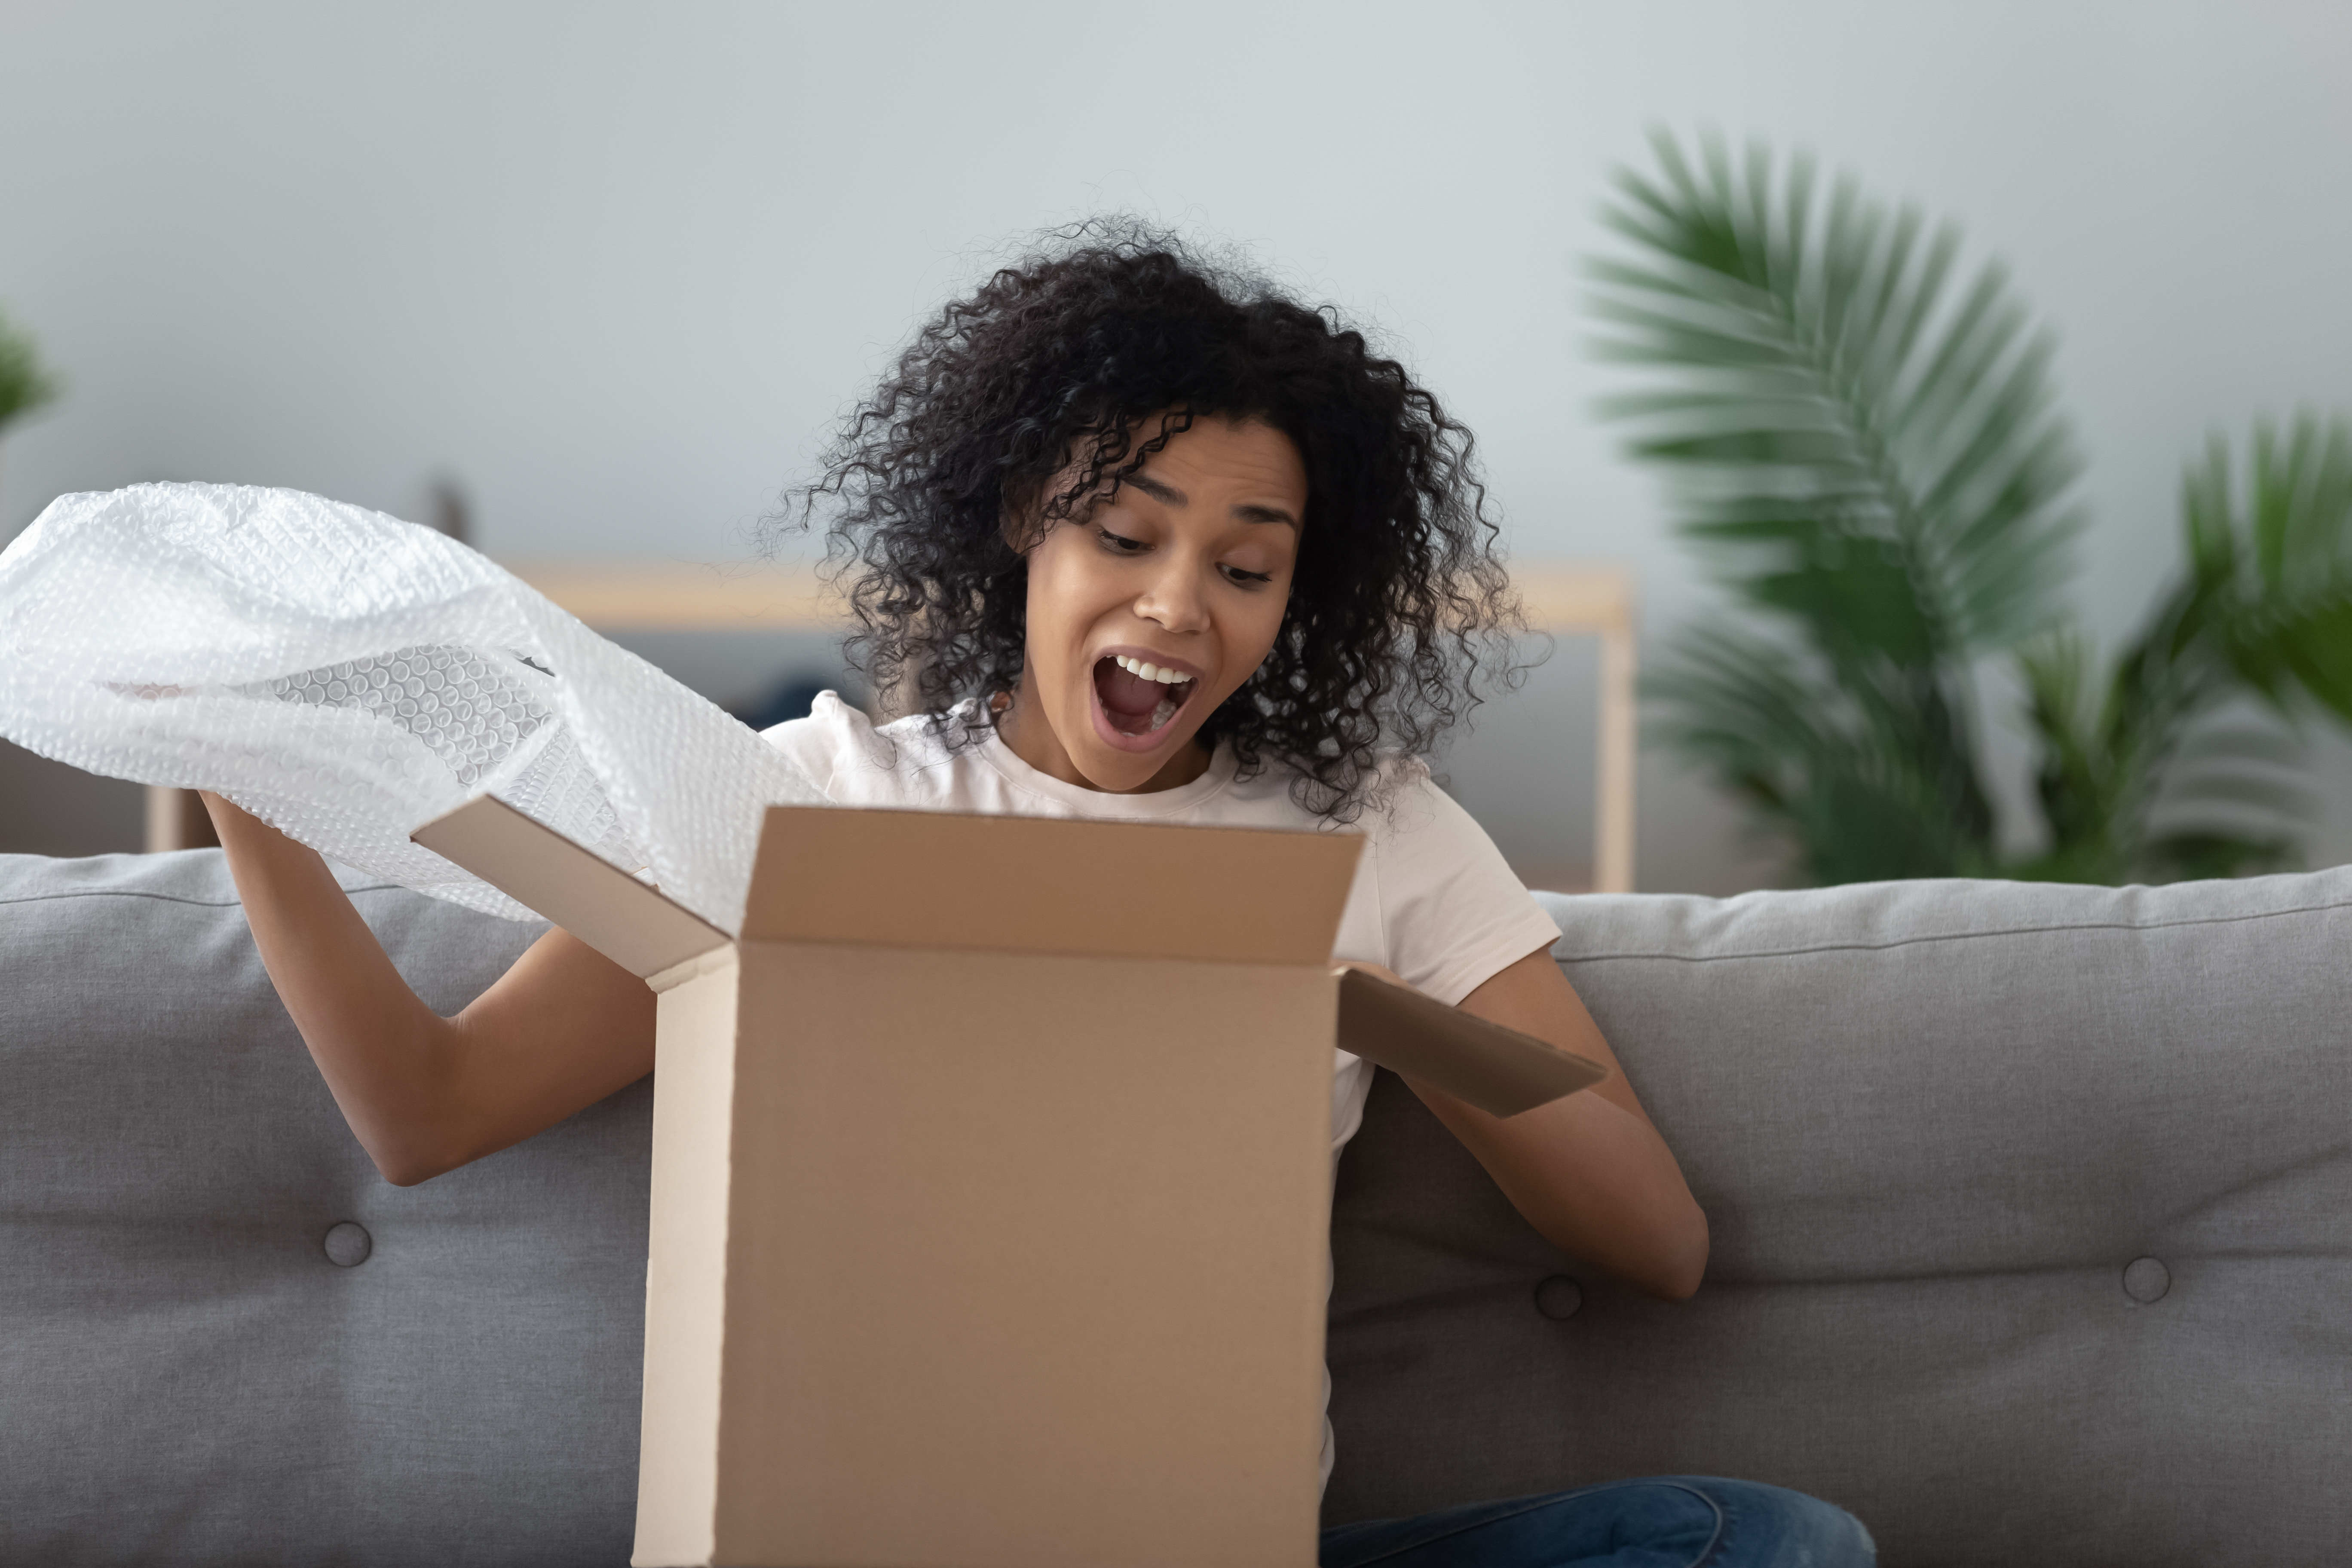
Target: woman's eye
{"points": [[1238, 576], [1119, 543]]}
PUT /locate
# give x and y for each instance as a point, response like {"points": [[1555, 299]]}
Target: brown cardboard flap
{"points": [[629, 922], [1031, 884], [1500, 1070]]}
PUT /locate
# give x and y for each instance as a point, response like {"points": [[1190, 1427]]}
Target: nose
{"points": [[1173, 597]]}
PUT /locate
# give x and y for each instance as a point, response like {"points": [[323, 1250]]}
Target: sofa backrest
{"points": [[2032, 1220], [2030, 1212]]}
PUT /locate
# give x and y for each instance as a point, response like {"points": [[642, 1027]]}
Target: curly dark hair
{"points": [[1088, 353]]}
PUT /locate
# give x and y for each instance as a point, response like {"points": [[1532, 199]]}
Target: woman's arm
{"points": [[558, 1032], [1589, 1172]]}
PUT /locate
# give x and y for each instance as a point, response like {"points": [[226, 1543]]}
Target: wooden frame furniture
{"points": [[1598, 602], [1565, 601]]}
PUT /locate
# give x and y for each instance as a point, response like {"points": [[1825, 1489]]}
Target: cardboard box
{"points": [[991, 1182]]}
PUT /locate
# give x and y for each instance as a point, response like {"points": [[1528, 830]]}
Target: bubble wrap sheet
{"points": [[347, 677]]}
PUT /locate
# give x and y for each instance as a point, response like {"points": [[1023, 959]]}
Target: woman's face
{"points": [[1145, 615]]}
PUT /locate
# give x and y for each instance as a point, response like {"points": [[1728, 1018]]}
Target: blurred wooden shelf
{"points": [[677, 596], [176, 819]]}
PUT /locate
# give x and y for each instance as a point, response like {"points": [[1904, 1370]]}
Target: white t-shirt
{"points": [[1433, 899]]}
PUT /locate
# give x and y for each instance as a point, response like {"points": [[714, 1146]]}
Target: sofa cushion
{"points": [[189, 1372], [2032, 1217]]}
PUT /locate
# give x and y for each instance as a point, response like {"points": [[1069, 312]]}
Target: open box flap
{"points": [[627, 920], [1063, 885], [1500, 1070]]}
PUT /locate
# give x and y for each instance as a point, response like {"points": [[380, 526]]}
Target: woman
{"points": [[1145, 540]]}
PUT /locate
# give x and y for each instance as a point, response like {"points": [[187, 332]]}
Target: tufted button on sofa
{"points": [[2032, 1211]]}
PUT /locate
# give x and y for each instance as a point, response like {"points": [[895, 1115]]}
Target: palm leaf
{"points": [[2284, 564], [2138, 777], [1783, 736], [1880, 456], [1829, 399]]}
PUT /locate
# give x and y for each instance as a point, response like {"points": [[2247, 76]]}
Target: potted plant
{"points": [[1868, 450]]}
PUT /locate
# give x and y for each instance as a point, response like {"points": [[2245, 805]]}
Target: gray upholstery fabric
{"points": [[1940, 1131], [185, 1377], [1934, 1126]]}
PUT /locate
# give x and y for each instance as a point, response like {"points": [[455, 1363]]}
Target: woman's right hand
{"points": [[558, 1031]]}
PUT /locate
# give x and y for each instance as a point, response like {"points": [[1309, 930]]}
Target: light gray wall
{"points": [[615, 267]]}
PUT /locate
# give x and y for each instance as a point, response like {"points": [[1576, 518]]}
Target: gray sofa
{"points": [[2031, 1210]]}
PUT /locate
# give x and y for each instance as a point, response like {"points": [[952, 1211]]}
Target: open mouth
{"points": [[1139, 699]]}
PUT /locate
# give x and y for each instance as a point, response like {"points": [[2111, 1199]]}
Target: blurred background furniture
{"points": [[667, 597], [2028, 1207]]}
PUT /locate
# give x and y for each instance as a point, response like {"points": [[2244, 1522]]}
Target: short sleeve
{"points": [[839, 748], [818, 741], [1452, 914]]}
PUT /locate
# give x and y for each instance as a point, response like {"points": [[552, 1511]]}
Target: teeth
{"points": [[1161, 714], [1149, 671]]}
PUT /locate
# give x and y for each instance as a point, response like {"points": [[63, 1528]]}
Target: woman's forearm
{"points": [[558, 1031], [1593, 1180], [384, 1053], [1589, 1172]]}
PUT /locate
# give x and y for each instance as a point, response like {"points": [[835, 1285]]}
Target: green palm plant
{"points": [[2262, 605], [2284, 567], [1869, 449]]}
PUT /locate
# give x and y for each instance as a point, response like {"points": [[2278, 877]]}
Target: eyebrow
{"points": [[1168, 495]]}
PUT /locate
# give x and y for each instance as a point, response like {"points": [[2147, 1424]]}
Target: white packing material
{"points": [[347, 677]]}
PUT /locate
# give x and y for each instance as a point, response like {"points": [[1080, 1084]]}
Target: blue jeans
{"points": [[1658, 1521]]}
